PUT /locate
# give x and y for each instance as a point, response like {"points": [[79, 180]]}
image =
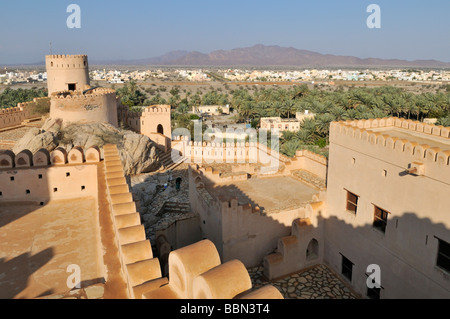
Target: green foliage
{"points": [[339, 105], [11, 97], [131, 95]]}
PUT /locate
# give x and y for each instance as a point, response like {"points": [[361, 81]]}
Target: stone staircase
{"points": [[298, 250], [310, 179], [176, 208], [167, 163]]}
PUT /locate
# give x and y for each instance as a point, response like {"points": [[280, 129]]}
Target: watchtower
{"points": [[67, 72]]}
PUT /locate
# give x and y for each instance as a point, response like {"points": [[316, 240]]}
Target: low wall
{"points": [[309, 161], [22, 180], [14, 116], [238, 231]]}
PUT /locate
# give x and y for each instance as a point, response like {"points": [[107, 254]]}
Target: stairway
{"points": [[300, 249], [167, 163], [176, 208]]}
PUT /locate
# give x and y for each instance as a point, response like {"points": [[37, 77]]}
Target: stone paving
{"points": [[318, 282]]}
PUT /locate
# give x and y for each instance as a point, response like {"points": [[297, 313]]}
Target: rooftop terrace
{"points": [[271, 194], [38, 243]]}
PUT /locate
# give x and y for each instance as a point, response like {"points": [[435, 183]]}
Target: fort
{"points": [[381, 197]]}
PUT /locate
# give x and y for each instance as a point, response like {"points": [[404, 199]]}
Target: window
{"points": [[380, 219], [40, 176], [352, 202], [347, 268], [28, 191], [55, 190], [72, 86], [443, 259], [67, 174], [12, 178], [83, 188]]}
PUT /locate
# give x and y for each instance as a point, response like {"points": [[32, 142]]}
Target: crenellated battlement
{"points": [[44, 158], [14, 116], [98, 92], [66, 56], [61, 61], [157, 109], [400, 140]]}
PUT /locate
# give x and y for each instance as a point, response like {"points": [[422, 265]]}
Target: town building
{"points": [[283, 124]]}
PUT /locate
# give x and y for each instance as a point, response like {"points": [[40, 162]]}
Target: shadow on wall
{"points": [[409, 251], [22, 186], [28, 183], [16, 272]]}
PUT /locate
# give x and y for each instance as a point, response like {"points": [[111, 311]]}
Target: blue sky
{"points": [[110, 30]]}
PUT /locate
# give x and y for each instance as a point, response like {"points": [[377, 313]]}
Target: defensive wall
{"points": [[402, 167], [239, 230], [44, 176], [14, 116], [97, 105], [154, 121]]}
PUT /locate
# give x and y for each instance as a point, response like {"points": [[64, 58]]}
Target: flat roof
{"points": [[414, 136], [271, 194], [38, 243]]}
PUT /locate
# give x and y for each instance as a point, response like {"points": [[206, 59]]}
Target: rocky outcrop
{"points": [[138, 152], [35, 139]]}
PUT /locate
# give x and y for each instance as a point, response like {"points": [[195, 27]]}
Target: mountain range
{"points": [[268, 55], [263, 55]]}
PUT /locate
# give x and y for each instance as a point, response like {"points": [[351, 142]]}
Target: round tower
{"points": [[67, 72]]}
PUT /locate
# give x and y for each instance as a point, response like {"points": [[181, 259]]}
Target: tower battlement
{"points": [[99, 92], [66, 72], [399, 141], [66, 61]]}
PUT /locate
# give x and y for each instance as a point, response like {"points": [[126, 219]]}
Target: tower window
{"points": [[443, 259], [72, 86]]}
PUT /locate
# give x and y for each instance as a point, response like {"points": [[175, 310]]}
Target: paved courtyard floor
{"points": [[318, 282]]}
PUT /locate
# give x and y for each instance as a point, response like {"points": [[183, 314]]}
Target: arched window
{"points": [[160, 129], [312, 252]]}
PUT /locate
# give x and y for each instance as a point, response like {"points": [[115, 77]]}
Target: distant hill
{"points": [[262, 55]]}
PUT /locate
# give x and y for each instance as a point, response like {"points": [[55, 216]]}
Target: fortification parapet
{"points": [[44, 158], [98, 105], [399, 141]]}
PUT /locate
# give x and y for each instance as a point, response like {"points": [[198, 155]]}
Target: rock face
{"points": [[138, 152], [35, 139]]}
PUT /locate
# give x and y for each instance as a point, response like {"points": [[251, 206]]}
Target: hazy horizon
{"points": [[114, 30]]}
